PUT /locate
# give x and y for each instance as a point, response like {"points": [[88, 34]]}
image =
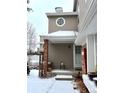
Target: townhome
{"points": [[72, 39]]}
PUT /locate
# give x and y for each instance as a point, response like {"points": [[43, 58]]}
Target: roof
{"points": [[62, 33], [61, 36], [75, 5], [61, 14]]}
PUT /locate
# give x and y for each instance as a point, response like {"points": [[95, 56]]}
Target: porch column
{"points": [[45, 59]]}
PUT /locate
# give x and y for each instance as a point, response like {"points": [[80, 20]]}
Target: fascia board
{"points": [[62, 14]]}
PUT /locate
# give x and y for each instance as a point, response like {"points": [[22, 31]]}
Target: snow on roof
{"points": [[63, 33], [61, 36]]}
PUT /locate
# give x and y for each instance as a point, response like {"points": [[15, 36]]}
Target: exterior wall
{"points": [[61, 52], [95, 52], [70, 23], [87, 28], [84, 9], [91, 53]]}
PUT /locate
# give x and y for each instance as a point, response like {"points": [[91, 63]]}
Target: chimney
{"points": [[59, 9]]}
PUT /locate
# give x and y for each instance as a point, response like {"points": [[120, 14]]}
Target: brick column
{"points": [[84, 61], [45, 59]]}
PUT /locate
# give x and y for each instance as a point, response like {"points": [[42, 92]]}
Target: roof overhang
{"points": [[89, 24], [61, 37], [91, 29], [62, 14]]}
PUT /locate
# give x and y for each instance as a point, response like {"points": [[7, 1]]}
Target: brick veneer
{"points": [[45, 57]]}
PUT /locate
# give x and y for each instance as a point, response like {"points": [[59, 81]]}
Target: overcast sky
{"points": [[40, 7]]}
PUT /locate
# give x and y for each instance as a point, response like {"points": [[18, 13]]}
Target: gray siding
{"points": [[82, 9], [61, 52], [70, 23]]}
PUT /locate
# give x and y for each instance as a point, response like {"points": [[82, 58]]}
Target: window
{"points": [[60, 21]]}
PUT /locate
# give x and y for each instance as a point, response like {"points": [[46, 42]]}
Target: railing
{"points": [[34, 53]]}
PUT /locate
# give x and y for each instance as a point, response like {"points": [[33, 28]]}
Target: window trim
{"points": [[59, 24]]}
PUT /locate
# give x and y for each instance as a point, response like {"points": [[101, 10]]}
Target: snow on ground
{"points": [[50, 85]]}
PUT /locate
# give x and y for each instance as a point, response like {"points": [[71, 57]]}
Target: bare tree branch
{"points": [[29, 9], [31, 37]]}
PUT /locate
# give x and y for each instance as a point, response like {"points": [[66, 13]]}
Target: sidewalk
{"points": [[38, 85]]}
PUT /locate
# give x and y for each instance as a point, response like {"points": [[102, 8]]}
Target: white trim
{"points": [[59, 24], [61, 37], [61, 14]]}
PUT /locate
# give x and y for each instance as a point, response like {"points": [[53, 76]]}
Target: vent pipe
{"points": [[59, 9]]}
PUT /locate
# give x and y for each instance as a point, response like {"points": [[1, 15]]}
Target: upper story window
{"points": [[60, 21]]}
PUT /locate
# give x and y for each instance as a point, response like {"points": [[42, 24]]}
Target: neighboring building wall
{"points": [[84, 8], [61, 52], [91, 42], [91, 53], [95, 52], [87, 28], [70, 23]]}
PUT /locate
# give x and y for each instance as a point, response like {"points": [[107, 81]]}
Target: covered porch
{"points": [[58, 50]]}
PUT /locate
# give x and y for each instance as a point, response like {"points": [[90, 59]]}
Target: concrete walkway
{"points": [[50, 85]]}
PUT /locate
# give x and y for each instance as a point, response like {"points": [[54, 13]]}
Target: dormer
{"points": [[62, 21]]}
